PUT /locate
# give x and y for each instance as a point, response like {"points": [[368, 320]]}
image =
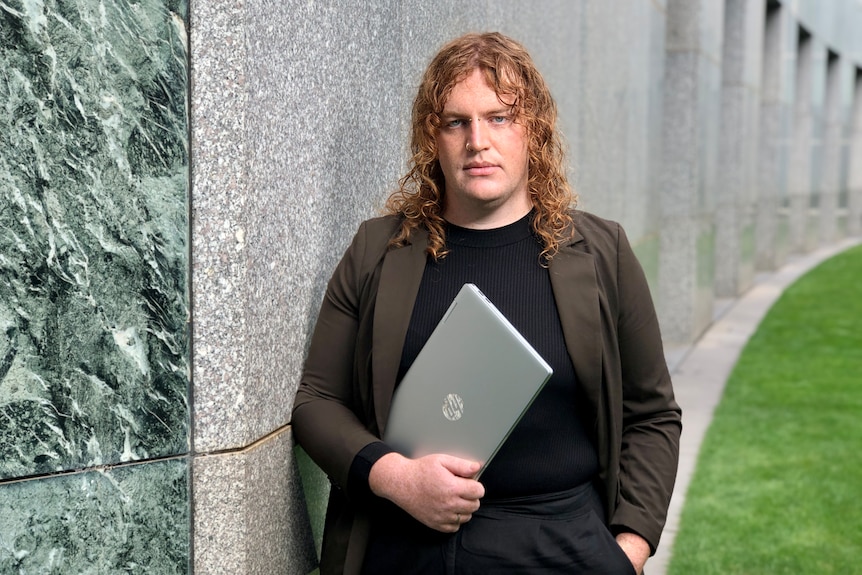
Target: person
{"points": [[583, 482]]}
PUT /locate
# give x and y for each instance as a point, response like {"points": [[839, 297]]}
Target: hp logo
{"points": [[453, 407]]}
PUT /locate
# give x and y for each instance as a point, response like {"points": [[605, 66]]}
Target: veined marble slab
{"points": [[94, 308], [132, 519]]}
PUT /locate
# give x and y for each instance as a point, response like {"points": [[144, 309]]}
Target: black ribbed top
{"points": [[549, 449]]}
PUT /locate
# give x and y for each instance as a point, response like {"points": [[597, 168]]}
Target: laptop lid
{"points": [[468, 387]]}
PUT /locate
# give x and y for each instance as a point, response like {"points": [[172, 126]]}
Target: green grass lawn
{"points": [[778, 484]]}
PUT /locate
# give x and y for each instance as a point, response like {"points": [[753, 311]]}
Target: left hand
{"points": [[636, 548]]}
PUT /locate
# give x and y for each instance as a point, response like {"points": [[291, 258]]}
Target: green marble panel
{"points": [[93, 233], [133, 519]]}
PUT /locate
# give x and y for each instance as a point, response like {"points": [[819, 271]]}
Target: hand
{"points": [[437, 490], [636, 548]]}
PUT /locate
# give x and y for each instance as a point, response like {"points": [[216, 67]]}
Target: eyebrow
{"points": [[457, 114]]}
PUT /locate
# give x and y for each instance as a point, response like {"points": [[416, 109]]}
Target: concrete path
{"points": [[701, 370]]}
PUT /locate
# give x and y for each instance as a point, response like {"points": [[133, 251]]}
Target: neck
{"points": [[485, 217]]}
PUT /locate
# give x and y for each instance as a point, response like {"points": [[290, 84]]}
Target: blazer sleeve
{"points": [[325, 419], [651, 418]]}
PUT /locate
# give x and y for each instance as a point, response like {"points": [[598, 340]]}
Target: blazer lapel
{"points": [[576, 290], [400, 277]]}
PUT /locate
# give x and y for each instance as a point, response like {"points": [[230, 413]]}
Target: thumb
{"points": [[460, 467]]}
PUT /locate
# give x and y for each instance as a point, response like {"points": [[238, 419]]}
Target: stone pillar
{"points": [[847, 87], [818, 126], [830, 178], [738, 146], [610, 111], [854, 175], [689, 158], [779, 49], [296, 116], [799, 169]]}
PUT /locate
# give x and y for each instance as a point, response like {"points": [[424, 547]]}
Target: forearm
{"points": [[331, 434]]}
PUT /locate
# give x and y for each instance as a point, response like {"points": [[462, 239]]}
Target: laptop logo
{"points": [[453, 407]]}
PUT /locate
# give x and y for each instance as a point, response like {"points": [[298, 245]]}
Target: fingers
{"points": [[450, 518], [453, 512], [467, 470], [437, 490], [455, 524], [460, 467]]}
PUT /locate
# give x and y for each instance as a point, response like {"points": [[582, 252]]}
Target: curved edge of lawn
{"points": [[776, 488]]}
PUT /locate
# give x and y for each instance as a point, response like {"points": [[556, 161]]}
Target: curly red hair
{"points": [[510, 71]]}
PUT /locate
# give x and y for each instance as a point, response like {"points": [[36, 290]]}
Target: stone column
{"points": [[779, 50], [738, 146], [830, 179], [799, 168], [298, 116], [296, 113], [610, 111], [854, 176], [818, 123], [689, 157]]}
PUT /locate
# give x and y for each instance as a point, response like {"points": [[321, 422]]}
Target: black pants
{"points": [[557, 533]]}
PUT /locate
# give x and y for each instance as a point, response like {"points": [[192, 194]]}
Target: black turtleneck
{"points": [[549, 450]]}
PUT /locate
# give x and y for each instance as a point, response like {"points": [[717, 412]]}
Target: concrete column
{"points": [[848, 84], [799, 167], [830, 179], [296, 115], [690, 154], [738, 146], [610, 110], [779, 50], [818, 127], [854, 172]]}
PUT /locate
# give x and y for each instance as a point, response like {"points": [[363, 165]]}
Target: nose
{"points": [[477, 139]]}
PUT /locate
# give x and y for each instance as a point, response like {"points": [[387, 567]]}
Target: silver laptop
{"points": [[469, 386]]}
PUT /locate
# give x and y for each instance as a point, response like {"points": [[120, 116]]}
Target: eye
{"points": [[499, 119], [457, 123]]}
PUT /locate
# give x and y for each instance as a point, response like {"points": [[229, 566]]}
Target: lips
{"points": [[480, 168]]}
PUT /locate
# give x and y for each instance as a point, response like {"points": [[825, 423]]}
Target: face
{"points": [[483, 155]]}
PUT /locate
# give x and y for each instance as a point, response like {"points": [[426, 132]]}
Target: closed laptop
{"points": [[469, 386]]}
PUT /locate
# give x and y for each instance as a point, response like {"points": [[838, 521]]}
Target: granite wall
{"points": [[178, 180]]}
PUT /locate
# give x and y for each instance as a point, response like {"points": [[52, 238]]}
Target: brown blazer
{"points": [[611, 332]]}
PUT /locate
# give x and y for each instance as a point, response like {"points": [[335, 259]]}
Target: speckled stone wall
{"points": [[94, 346]]}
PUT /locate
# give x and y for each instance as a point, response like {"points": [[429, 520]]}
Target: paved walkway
{"points": [[701, 370]]}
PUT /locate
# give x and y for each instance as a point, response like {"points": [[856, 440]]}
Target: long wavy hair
{"points": [[510, 71]]}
